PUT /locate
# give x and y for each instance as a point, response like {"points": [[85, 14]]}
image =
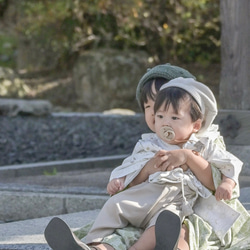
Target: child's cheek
{"points": [[153, 125]]}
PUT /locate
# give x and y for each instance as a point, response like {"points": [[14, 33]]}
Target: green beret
{"points": [[166, 71]]}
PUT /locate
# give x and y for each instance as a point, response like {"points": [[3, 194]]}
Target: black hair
{"points": [[173, 96], [147, 92]]}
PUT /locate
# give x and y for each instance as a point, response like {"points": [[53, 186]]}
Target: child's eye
{"points": [[160, 116], [147, 106], [174, 118]]}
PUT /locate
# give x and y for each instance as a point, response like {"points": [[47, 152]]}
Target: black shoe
{"points": [[60, 237], [167, 231]]}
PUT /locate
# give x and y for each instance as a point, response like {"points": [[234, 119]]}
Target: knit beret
{"points": [[201, 93], [166, 71]]}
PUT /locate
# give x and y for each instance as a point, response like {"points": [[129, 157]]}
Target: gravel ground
{"points": [[30, 139]]}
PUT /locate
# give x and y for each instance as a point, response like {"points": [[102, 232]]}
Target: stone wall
{"points": [[61, 136], [30, 139]]}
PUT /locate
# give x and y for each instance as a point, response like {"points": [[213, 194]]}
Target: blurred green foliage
{"points": [[185, 30], [8, 48]]}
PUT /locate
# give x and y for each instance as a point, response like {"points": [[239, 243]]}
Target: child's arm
{"points": [[229, 166], [115, 185], [168, 160], [197, 164], [152, 166], [225, 190]]}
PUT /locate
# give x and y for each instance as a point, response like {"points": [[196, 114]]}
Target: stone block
{"points": [[13, 107], [20, 206], [17, 206]]}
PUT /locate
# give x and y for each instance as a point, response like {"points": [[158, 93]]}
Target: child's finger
{"points": [[217, 196], [160, 153], [117, 183], [160, 161]]}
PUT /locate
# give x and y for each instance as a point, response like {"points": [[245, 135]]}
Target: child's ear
{"points": [[197, 125]]}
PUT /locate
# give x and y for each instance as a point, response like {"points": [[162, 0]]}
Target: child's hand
{"points": [[184, 167], [115, 185], [225, 189], [155, 163], [172, 159]]}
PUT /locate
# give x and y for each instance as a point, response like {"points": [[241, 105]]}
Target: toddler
{"points": [[184, 109]]}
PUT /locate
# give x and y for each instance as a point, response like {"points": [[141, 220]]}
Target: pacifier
{"points": [[167, 133]]}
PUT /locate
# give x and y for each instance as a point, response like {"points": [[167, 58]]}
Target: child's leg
{"points": [[128, 207], [60, 237], [146, 241], [101, 247], [167, 230], [183, 242], [163, 236]]}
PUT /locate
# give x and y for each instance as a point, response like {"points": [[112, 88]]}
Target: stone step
{"points": [[28, 197], [29, 200], [28, 234], [17, 206]]}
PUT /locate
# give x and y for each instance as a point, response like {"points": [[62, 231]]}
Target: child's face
{"points": [[149, 114], [149, 111], [181, 123]]}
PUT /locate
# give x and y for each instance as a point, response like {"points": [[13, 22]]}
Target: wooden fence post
{"points": [[234, 108], [235, 55]]}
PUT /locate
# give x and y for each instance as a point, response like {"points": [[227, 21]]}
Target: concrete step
{"points": [[27, 205], [24, 196], [75, 196], [28, 234], [37, 190]]}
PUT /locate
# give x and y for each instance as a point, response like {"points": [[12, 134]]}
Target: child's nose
{"points": [[166, 122]]}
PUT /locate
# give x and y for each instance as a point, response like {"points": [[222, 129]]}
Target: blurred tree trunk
{"points": [[235, 54]]}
